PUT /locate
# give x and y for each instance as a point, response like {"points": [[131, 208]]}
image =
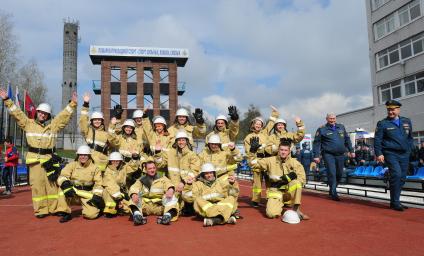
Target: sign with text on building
{"points": [[128, 51]]}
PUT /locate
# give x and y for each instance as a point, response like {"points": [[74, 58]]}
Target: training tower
{"points": [[136, 77], [69, 83]]}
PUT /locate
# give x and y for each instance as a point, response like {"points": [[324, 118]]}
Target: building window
{"points": [[418, 137], [406, 49], [397, 19], [408, 86], [375, 4]]}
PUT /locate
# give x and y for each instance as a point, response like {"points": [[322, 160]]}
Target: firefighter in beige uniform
{"points": [[159, 139], [280, 131], [287, 177], [154, 195], [227, 131], [142, 126], [182, 123], [94, 133], [258, 130], [224, 161], [115, 182], [81, 182], [127, 142], [214, 199], [41, 137], [181, 163]]}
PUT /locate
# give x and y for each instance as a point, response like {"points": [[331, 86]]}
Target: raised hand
{"points": [[232, 112], [86, 97]]}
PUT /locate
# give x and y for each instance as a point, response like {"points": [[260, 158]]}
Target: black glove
{"points": [[97, 201], [232, 112], [117, 111], [285, 179], [54, 175], [68, 189], [198, 115], [254, 144]]}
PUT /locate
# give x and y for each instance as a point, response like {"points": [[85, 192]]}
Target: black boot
{"points": [[65, 218]]}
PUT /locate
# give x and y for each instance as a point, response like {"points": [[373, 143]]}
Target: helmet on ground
{"points": [[181, 134], [214, 139], [84, 150], [182, 112], [290, 217], [128, 122], [96, 115], [221, 117], [115, 156], [280, 120], [138, 114], [45, 107], [159, 120], [207, 167]]}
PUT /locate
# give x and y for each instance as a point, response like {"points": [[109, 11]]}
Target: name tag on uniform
{"points": [[390, 128], [329, 133]]}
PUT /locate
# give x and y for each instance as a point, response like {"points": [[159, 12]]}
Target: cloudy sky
{"points": [[306, 57]]}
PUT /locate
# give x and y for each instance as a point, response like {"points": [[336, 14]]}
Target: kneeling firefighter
{"points": [[214, 199], [81, 182], [153, 195], [116, 184]]}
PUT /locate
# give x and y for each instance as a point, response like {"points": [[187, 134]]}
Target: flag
{"points": [[29, 106], [9, 91], [17, 102]]}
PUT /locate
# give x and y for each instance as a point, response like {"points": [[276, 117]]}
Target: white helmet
{"points": [[138, 114], [96, 115], [290, 217], [207, 167], [181, 134], [221, 117], [258, 119], [159, 120], [84, 150], [182, 112], [280, 120], [115, 156], [45, 107], [214, 139], [129, 122]]}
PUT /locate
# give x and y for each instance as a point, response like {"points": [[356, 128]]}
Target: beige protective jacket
{"points": [[83, 175], [39, 135]]}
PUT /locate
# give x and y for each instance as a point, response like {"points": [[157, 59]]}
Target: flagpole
{"points": [[23, 131]]}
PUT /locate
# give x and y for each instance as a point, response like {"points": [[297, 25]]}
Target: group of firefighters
{"points": [[141, 167]]}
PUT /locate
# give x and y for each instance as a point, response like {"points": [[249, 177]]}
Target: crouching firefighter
{"points": [[214, 199], [286, 175], [116, 184], [81, 182], [41, 134], [153, 195]]}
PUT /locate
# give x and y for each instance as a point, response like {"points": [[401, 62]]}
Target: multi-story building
{"points": [[396, 51]]}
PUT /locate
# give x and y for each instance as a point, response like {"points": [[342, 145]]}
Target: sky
{"points": [[305, 57]]}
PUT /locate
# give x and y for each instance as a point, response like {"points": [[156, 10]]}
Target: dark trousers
{"points": [[398, 168], [334, 165], [7, 177]]}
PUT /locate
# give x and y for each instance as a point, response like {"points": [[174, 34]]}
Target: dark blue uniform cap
{"points": [[393, 104]]}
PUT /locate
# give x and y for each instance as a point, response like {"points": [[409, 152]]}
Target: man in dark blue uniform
{"points": [[306, 158], [393, 143], [332, 141]]}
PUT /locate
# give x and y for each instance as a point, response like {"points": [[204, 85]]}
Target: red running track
{"points": [[349, 227]]}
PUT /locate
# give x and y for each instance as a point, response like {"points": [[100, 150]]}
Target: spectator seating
{"points": [[419, 174]]}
